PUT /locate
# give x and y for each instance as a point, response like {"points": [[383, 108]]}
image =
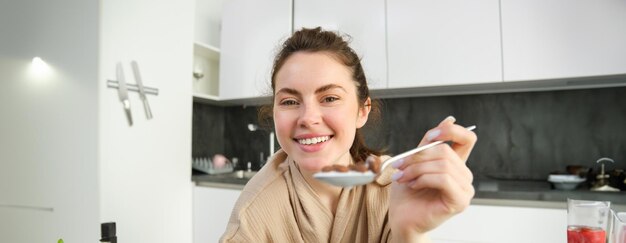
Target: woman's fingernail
{"points": [[433, 134], [397, 175], [449, 118], [397, 164]]}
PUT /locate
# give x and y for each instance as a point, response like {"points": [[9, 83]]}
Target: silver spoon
{"points": [[355, 178]]}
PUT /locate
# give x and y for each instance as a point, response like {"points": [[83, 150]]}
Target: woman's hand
{"points": [[432, 185]]}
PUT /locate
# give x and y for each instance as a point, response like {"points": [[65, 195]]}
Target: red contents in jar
{"points": [[584, 234]]}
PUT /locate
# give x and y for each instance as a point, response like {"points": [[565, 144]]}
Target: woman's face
{"points": [[316, 111]]}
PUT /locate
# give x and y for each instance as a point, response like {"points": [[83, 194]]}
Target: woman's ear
{"points": [[364, 112]]}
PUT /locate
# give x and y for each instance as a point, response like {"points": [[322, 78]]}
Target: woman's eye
{"points": [[329, 99], [288, 102]]}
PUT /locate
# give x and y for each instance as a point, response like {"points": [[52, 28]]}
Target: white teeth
{"points": [[309, 141]]}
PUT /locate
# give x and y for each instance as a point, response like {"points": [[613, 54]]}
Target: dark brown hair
{"points": [[318, 40]]}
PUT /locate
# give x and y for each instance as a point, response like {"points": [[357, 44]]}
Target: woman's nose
{"points": [[309, 115]]}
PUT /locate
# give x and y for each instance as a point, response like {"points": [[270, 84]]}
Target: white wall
{"points": [[48, 125], [68, 160], [145, 169]]}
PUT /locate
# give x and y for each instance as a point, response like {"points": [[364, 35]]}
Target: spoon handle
{"points": [[415, 150]]}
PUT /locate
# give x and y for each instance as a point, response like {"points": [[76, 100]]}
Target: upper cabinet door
{"points": [[563, 38], [444, 42], [363, 21], [252, 31], [207, 21]]}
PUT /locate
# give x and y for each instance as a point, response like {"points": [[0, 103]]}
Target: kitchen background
{"points": [[68, 154], [524, 135]]}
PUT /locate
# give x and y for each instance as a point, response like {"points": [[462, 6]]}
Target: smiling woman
{"points": [[315, 101], [320, 102], [315, 55]]}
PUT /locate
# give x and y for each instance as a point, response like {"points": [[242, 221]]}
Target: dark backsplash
{"points": [[520, 135], [207, 130]]}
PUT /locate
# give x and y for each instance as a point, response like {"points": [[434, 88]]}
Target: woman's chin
{"points": [[311, 166]]}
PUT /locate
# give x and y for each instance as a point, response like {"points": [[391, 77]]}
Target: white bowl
{"points": [[565, 185], [565, 178], [565, 182]]}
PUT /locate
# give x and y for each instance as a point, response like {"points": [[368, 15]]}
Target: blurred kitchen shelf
{"points": [[215, 100], [208, 99], [208, 51], [206, 63], [205, 97]]}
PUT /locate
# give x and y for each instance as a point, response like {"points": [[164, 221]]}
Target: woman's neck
{"points": [[328, 194]]}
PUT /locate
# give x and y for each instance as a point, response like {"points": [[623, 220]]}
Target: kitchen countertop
{"points": [[227, 181], [527, 193], [533, 190]]}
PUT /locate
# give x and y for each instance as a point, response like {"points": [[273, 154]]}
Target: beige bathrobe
{"points": [[277, 205]]}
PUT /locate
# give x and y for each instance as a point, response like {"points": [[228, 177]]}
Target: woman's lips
{"points": [[313, 144], [313, 140]]}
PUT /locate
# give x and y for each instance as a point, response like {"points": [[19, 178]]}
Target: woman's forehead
{"points": [[312, 70]]}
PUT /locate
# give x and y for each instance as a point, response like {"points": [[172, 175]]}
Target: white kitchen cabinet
{"points": [[211, 211], [439, 43], [206, 60], [252, 32], [494, 224], [208, 21], [205, 76], [70, 161], [563, 38], [363, 21]]}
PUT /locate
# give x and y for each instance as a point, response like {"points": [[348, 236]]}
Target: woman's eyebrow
{"points": [[288, 91], [317, 91], [328, 87]]}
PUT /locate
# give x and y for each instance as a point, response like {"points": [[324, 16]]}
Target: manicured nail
{"points": [[397, 175], [397, 164], [433, 134], [450, 118]]}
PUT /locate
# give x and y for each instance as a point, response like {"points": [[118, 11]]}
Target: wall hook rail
{"points": [[132, 87], [123, 88]]}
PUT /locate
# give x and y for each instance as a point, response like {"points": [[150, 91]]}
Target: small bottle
{"points": [[261, 160], [107, 232], [235, 161]]}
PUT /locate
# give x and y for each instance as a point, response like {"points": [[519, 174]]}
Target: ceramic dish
{"points": [[565, 182]]}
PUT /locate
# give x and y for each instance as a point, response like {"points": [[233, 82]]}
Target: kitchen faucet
{"points": [[254, 127]]}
